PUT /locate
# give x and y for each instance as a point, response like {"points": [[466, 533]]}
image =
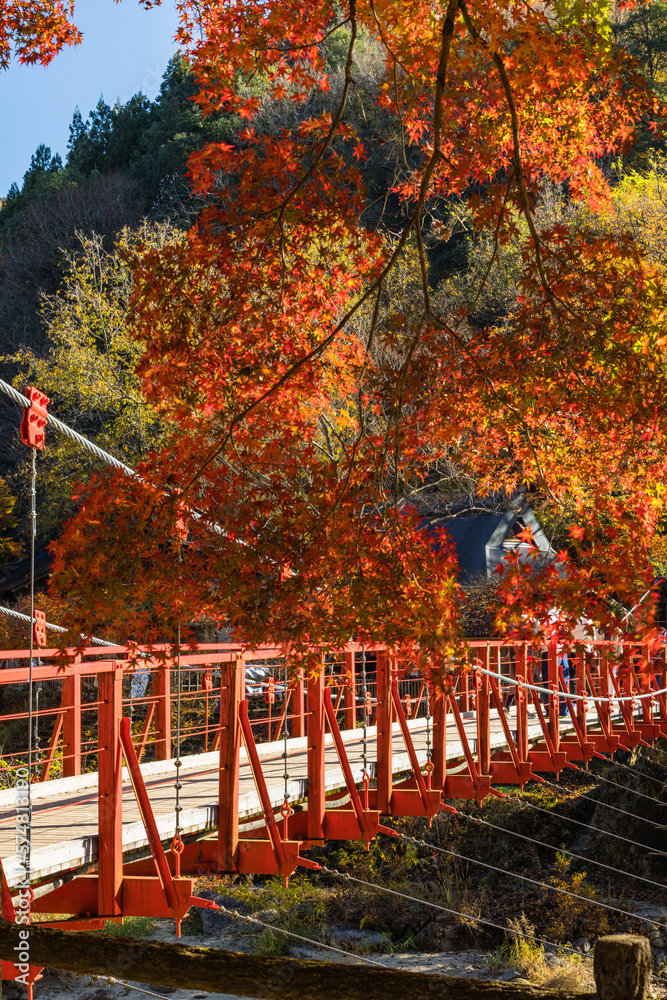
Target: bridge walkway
{"points": [[65, 810]]}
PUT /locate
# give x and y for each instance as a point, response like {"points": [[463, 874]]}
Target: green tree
{"points": [[89, 373], [644, 34], [177, 127]]}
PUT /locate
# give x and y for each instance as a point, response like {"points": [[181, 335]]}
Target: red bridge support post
{"points": [[110, 805], [71, 702], [484, 716], [522, 704], [162, 691], [316, 728], [439, 709], [350, 710], [554, 701], [383, 718], [231, 683], [298, 711]]}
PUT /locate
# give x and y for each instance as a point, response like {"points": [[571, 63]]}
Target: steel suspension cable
{"points": [[246, 918], [606, 805], [53, 628], [68, 432], [561, 850], [524, 878], [588, 826], [446, 909], [102, 455], [626, 788], [633, 770], [657, 763], [633, 916], [596, 699]]}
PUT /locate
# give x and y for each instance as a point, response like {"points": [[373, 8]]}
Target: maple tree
{"points": [[307, 407], [35, 30]]}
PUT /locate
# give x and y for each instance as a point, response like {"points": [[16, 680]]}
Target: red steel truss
{"points": [[119, 705]]}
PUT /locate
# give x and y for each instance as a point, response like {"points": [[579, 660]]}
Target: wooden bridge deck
{"points": [[64, 832]]}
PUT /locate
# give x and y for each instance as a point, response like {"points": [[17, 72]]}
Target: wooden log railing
{"points": [[244, 975]]}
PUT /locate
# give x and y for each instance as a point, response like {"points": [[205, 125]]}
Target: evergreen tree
{"points": [[76, 130], [88, 147], [124, 145], [644, 35], [177, 127]]}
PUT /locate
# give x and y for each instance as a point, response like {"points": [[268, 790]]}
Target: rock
{"points": [[199, 996], [625, 927], [659, 959], [582, 945], [163, 990], [507, 976], [215, 922], [269, 916], [440, 937], [657, 942], [622, 967], [355, 939], [398, 926]]}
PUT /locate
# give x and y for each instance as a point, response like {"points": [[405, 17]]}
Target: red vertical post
{"points": [[298, 710], [626, 685], [231, 675], [554, 701], [661, 679], [383, 720], [644, 679], [71, 702], [162, 691], [464, 691], [110, 801], [484, 716], [316, 800], [522, 704], [604, 690], [581, 707], [439, 709], [350, 710]]}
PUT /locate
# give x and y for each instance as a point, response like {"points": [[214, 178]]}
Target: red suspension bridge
{"points": [[176, 762], [284, 763]]}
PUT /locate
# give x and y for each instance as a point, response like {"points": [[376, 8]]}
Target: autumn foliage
{"points": [[35, 30], [305, 416]]}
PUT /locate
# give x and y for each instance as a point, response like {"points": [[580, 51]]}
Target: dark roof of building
{"points": [[483, 529], [16, 576]]}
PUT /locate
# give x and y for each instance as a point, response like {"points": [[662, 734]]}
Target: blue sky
{"points": [[125, 49]]}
